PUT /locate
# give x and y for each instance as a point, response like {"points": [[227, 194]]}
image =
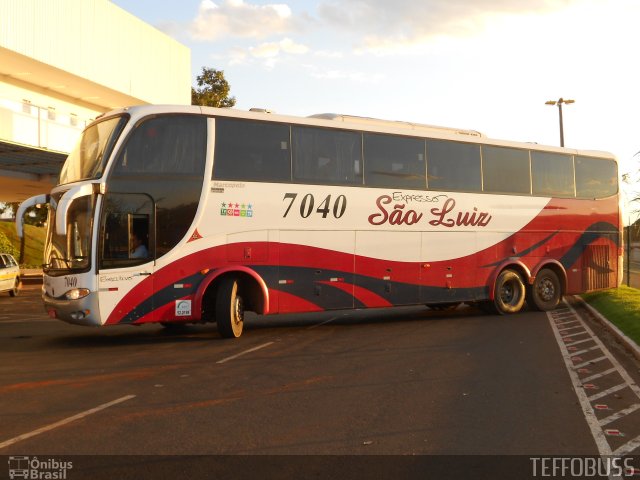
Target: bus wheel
{"points": [[509, 293], [545, 293], [16, 288], [229, 309]]}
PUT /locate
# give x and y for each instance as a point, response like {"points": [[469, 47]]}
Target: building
{"points": [[64, 62]]}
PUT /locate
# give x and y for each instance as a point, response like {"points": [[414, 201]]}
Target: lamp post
{"points": [[559, 103]]}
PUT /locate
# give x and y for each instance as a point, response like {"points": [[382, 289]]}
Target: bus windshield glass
{"points": [[72, 251], [89, 157]]}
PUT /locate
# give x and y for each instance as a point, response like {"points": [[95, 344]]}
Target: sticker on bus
{"points": [[183, 308]]}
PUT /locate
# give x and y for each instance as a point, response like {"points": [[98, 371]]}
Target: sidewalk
{"points": [[31, 275]]}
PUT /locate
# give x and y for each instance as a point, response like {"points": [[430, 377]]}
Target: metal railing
{"points": [[41, 127], [632, 256]]}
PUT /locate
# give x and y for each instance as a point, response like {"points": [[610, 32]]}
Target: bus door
{"points": [[127, 253]]}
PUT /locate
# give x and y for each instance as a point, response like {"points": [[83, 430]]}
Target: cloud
{"points": [[365, 26], [354, 76], [384, 24], [235, 18], [267, 52]]}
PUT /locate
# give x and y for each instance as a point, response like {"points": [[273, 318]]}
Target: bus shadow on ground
{"points": [[127, 335]]}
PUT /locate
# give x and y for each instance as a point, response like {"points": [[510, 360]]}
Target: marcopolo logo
{"points": [[38, 469]]}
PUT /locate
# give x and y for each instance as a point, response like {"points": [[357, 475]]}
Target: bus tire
{"points": [[16, 288], [509, 292], [229, 309], [545, 293]]}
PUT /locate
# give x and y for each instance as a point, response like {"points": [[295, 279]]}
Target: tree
{"points": [[7, 247], [36, 215], [213, 90]]}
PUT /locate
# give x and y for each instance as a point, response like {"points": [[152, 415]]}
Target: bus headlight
{"points": [[76, 293]]}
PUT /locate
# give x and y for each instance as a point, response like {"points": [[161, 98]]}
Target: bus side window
{"points": [[330, 156], [251, 151], [552, 174], [595, 177], [453, 166]]}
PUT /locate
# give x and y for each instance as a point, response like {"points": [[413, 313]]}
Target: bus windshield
{"points": [[70, 252], [88, 158]]}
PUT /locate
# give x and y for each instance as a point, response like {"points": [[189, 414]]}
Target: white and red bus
{"points": [[190, 214]]}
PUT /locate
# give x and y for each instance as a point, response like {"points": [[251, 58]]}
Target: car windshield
{"points": [[88, 158]]}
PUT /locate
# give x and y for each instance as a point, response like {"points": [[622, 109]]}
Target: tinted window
{"points": [[396, 162], [169, 144], [596, 177], [505, 170], [126, 230], [327, 156], [552, 174], [247, 150], [453, 166], [164, 158]]}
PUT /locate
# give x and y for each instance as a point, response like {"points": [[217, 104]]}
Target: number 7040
{"points": [[306, 206]]}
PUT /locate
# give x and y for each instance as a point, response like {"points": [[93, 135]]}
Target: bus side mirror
{"points": [[65, 202], [28, 203]]}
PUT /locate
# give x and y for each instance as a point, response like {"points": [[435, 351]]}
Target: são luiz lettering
{"points": [[445, 216]]}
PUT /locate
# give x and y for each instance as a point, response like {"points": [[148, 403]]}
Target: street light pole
{"points": [[559, 103]]}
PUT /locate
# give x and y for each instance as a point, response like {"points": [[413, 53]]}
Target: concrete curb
{"points": [[629, 344]]}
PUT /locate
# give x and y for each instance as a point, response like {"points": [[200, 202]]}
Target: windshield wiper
{"points": [[56, 257]]}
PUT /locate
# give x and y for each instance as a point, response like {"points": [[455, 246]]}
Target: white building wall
{"points": [[100, 42], [63, 63]]}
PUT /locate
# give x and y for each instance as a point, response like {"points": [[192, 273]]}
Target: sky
{"points": [[487, 65]]}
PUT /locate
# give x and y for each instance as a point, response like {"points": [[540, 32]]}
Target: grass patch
{"points": [[34, 242], [621, 306]]}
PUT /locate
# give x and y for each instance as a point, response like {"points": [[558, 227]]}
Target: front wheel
{"points": [[545, 293], [229, 309], [509, 293], [16, 288]]}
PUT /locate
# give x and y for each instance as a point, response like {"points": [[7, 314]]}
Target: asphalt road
{"points": [[407, 381]]}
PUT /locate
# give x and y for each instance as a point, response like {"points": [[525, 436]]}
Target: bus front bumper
{"points": [[83, 311]]}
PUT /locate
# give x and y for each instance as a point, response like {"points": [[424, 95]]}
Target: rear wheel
{"points": [[545, 293], [16, 288], [229, 309], [509, 293]]}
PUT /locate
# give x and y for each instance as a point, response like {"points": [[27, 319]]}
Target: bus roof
{"points": [[338, 117], [355, 123]]}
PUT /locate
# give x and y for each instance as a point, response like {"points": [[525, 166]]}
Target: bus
{"points": [[187, 214]]}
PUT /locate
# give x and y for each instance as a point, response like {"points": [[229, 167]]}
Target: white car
{"points": [[9, 274]]}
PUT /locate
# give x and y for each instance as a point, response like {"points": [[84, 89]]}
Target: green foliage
{"points": [[621, 306], [6, 246], [213, 90], [33, 245]]}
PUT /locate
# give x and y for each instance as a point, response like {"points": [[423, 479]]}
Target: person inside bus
{"points": [[138, 248]]}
